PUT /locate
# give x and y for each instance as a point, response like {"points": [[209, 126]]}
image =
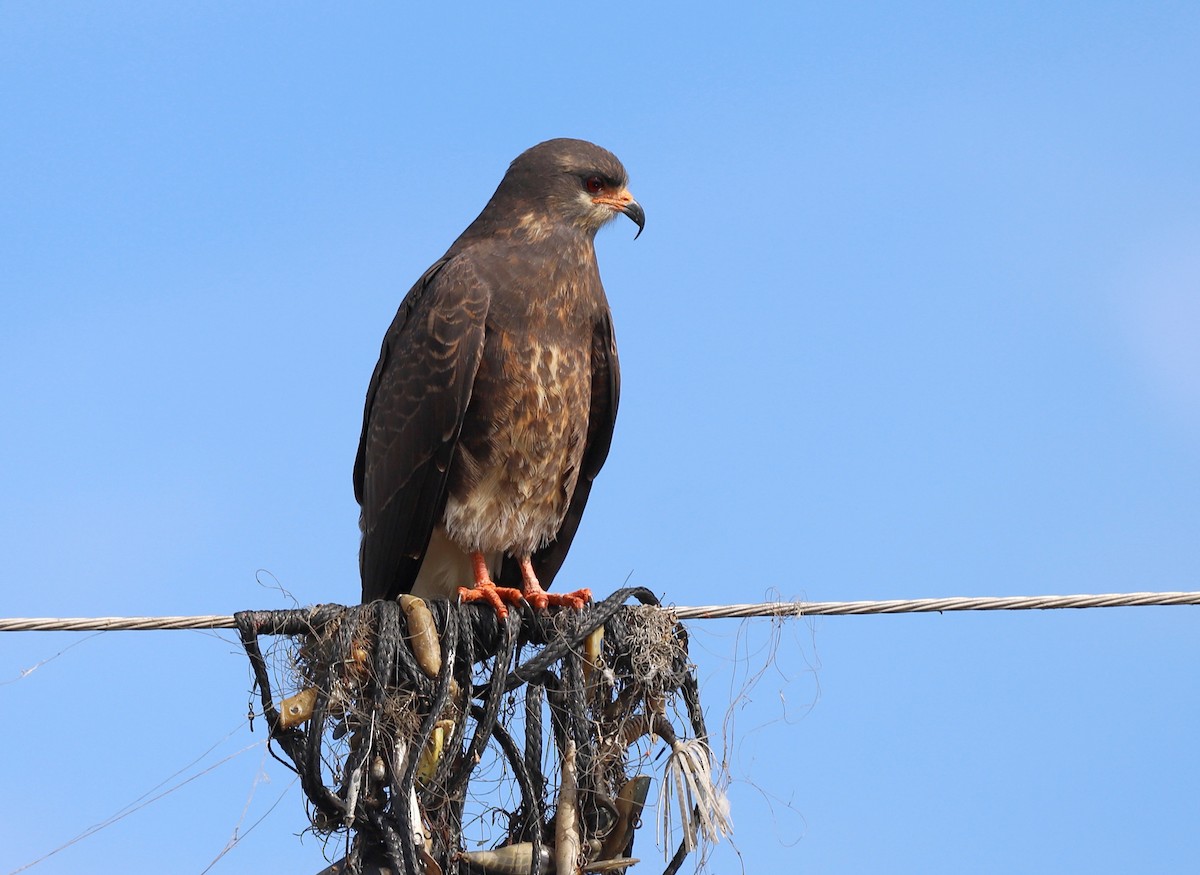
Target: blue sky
{"points": [[916, 313]]}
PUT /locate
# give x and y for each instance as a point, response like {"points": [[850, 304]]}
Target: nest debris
{"points": [[412, 725]]}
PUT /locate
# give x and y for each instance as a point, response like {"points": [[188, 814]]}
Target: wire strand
{"points": [[703, 612]]}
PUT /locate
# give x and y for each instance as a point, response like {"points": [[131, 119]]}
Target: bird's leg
{"points": [[539, 598], [487, 591]]}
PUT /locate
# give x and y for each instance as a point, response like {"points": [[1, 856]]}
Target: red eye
{"points": [[594, 184]]}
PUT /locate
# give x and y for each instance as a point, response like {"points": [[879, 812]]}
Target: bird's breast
{"points": [[522, 442]]}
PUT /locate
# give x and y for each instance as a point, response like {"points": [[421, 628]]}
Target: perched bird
{"points": [[491, 408]]}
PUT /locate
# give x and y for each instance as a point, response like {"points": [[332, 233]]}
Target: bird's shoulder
{"points": [[449, 284], [426, 364]]}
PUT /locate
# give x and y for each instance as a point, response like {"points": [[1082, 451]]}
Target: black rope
{"points": [[492, 698], [534, 697], [367, 684], [677, 860], [531, 805], [517, 760], [597, 616], [421, 740]]}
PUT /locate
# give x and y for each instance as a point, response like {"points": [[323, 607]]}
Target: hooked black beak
{"points": [[623, 202], [634, 210]]}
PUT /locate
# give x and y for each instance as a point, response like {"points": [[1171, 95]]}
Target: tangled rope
{"points": [[398, 704]]}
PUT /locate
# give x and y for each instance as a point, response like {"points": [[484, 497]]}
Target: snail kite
{"points": [[491, 409]]}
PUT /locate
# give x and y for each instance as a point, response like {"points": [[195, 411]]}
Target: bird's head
{"points": [[571, 181]]}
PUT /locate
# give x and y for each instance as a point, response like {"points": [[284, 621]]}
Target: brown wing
{"points": [[414, 412], [602, 416]]}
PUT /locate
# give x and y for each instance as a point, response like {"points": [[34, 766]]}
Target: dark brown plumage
{"points": [[491, 408]]}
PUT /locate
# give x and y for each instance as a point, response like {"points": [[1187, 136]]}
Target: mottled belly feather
{"points": [[517, 463]]}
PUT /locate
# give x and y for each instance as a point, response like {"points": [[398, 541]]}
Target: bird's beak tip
{"points": [[634, 210]]}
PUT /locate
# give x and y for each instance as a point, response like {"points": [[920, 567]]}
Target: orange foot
{"points": [[487, 591], [540, 599]]}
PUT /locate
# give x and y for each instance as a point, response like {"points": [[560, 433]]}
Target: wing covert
{"points": [[414, 410]]}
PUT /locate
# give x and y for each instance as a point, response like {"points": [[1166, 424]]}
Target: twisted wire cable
{"points": [[289, 622]]}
